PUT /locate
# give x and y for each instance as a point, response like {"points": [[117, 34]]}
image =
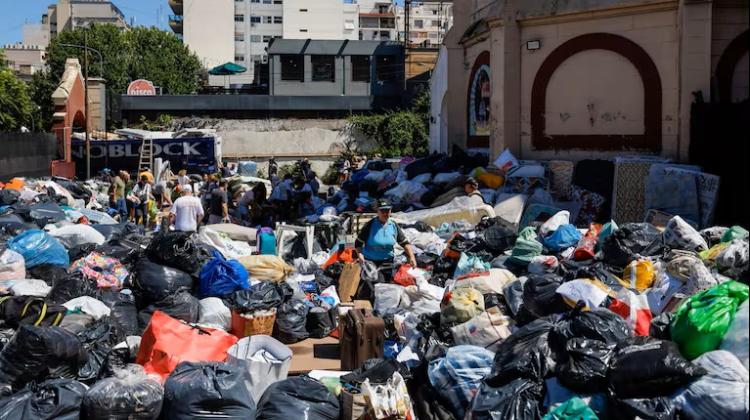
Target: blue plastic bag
{"points": [[564, 237], [220, 277], [39, 247], [470, 264]]}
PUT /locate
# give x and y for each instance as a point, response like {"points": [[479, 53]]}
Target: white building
{"points": [[219, 31], [429, 21], [377, 20]]}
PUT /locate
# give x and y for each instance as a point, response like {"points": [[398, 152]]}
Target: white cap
{"points": [[187, 188]]}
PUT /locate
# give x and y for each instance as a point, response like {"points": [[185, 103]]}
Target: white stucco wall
{"points": [[438, 88], [324, 19], [209, 30]]}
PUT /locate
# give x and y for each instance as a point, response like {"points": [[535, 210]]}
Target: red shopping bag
{"points": [[403, 277], [168, 341]]}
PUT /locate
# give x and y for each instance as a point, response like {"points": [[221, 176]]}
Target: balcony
{"points": [[175, 22], [176, 6]]}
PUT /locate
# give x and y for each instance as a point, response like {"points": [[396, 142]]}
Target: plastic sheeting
{"points": [[38, 247], [460, 208], [264, 359]]}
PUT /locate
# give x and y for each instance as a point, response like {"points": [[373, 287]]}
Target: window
{"points": [[303, 30], [278, 2], [267, 19], [254, 1], [239, 37], [277, 19], [323, 68], [254, 19], [293, 67], [360, 68], [266, 38], [386, 69], [434, 12], [239, 1], [266, 1], [257, 57], [239, 57], [255, 38], [418, 23], [303, 10], [239, 18], [435, 23], [349, 24]]}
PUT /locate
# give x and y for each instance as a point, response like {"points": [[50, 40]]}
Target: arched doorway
{"points": [[736, 49], [478, 103], [652, 97]]}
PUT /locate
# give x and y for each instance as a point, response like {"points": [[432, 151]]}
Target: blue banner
{"points": [[196, 155]]}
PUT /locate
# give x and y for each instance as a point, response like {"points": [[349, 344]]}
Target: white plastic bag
{"points": [[89, 306], [265, 359], [74, 235], [390, 400], [215, 314], [505, 161], [12, 266], [30, 288], [488, 330], [736, 339], [560, 218], [678, 234], [389, 297]]}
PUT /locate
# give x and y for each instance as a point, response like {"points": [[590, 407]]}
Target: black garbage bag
{"points": [[525, 354], [597, 324], [320, 321], [378, 371], [660, 326], [291, 322], [659, 408], [585, 366], [39, 353], [513, 294], [30, 310], [323, 280], [124, 314], [79, 251], [118, 231], [645, 367], [297, 398], [9, 197], [207, 390], [122, 250], [50, 273], [176, 249], [181, 305], [131, 394], [521, 399], [540, 295], [45, 213], [71, 286], [498, 238], [420, 166], [154, 282], [58, 399], [76, 189], [590, 269], [334, 270], [98, 339], [630, 241], [426, 260], [261, 296]]}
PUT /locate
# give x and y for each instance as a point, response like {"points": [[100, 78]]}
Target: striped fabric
{"points": [[457, 376]]}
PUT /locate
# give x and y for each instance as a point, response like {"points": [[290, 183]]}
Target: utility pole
{"points": [[86, 101]]}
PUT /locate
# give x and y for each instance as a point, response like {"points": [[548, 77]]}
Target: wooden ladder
{"points": [[146, 161]]}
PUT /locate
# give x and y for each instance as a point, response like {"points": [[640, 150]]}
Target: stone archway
{"points": [[652, 107], [727, 63]]}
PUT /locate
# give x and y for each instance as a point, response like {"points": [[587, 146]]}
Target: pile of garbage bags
{"points": [[515, 310]]}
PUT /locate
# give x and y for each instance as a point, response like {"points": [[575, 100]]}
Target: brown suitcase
{"points": [[362, 337]]}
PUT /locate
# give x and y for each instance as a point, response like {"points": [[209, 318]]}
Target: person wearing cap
{"points": [[186, 212], [380, 235], [471, 188]]}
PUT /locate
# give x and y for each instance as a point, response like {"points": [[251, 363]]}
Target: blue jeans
{"points": [[122, 209]]}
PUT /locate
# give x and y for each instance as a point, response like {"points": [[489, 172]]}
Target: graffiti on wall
{"points": [[479, 102]]}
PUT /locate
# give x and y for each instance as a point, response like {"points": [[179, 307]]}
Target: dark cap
{"points": [[384, 204]]}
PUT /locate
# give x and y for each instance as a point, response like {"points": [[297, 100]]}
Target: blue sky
{"points": [[17, 12]]}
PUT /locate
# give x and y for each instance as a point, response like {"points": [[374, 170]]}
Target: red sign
{"points": [[141, 87]]}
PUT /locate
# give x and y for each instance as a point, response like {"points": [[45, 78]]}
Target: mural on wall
{"points": [[478, 104]]}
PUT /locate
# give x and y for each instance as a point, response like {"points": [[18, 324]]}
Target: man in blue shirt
{"points": [[380, 235]]}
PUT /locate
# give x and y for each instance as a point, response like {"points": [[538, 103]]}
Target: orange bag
{"points": [[168, 341], [586, 246], [403, 278], [347, 255]]}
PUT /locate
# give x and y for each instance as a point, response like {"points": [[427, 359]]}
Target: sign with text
{"points": [[141, 87]]}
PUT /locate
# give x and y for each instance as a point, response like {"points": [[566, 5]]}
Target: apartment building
{"points": [[377, 20], [429, 21], [204, 25]]}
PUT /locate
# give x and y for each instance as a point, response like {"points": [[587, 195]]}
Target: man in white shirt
{"points": [[186, 212]]}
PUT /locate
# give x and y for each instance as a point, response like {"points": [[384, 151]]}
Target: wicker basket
{"points": [[244, 325]]}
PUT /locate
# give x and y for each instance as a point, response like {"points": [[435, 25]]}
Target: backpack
{"points": [[27, 310], [266, 241]]}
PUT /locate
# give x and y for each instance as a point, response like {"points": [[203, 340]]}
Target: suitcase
{"points": [[362, 337], [266, 242]]}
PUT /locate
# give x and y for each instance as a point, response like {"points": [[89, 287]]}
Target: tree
{"points": [[15, 105], [127, 55], [41, 88]]}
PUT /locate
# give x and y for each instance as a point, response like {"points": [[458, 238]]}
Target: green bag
{"points": [[701, 321], [573, 409], [734, 232], [527, 247]]}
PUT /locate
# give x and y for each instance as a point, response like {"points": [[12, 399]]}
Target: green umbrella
{"points": [[227, 69]]}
